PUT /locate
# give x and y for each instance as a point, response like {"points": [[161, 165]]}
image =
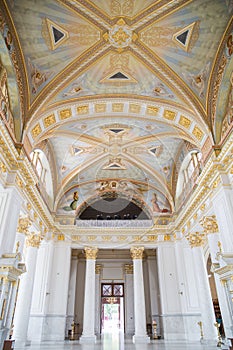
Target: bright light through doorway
{"points": [[113, 316]]}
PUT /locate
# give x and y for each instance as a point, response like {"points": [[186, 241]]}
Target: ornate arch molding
{"points": [[115, 194], [135, 107], [18, 63], [216, 80]]}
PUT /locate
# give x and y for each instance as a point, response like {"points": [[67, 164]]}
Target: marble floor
{"points": [[117, 341]]}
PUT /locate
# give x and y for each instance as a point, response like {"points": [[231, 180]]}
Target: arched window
{"points": [[43, 171], [188, 174]]}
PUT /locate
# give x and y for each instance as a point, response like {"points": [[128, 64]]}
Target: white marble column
{"points": [[10, 204], [154, 290], [70, 318], [129, 300], [140, 335], [98, 270], [88, 335], [23, 305], [196, 241], [210, 226], [222, 200]]}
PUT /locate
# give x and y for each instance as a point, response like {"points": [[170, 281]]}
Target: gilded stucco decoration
{"points": [[209, 224], [120, 36], [33, 240], [196, 239], [23, 225], [116, 94]]}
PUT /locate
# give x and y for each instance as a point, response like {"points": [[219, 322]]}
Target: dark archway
{"points": [[113, 207]]}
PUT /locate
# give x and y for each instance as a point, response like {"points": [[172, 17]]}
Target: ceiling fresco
{"points": [[126, 8], [116, 93], [118, 73]]}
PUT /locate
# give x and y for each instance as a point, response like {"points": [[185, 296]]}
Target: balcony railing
{"points": [[114, 223]]}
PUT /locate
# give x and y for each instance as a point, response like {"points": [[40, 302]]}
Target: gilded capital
{"points": [[209, 223], [196, 239], [137, 252], [33, 240], [23, 225], [91, 253]]}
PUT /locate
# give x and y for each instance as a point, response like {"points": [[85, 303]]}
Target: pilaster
{"points": [[140, 335], [98, 270], [10, 204], [88, 335], [23, 306], [129, 300], [196, 241]]}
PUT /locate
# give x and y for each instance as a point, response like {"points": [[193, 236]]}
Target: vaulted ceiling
{"points": [[117, 91]]}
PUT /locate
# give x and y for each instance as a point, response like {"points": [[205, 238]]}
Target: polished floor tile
{"points": [[116, 341]]}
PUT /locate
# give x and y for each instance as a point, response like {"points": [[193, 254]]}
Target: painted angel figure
{"points": [[198, 81], [37, 77], [73, 204]]}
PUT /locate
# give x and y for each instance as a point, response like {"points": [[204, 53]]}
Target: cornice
{"points": [[20, 173]]}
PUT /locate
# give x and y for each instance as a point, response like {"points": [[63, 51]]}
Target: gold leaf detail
{"points": [[184, 122], [117, 107], [170, 115], [100, 108], [36, 131], [152, 110], [49, 120], [134, 108], [82, 109], [65, 113], [198, 133]]}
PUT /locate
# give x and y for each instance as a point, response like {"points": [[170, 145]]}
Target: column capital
{"points": [[23, 224], [209, 223], [33, 240], [98, 269], [137, 252], [129, 269], [196, 239], [91, 253]]}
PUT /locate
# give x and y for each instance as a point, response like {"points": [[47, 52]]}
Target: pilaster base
{"points": [[21, 343], [141, 339], [87, 339]]}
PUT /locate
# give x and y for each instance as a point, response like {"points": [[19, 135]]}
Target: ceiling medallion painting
{"points": [[120, 35]]}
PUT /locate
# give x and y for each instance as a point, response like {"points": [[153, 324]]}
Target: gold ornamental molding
{"points": [[128, 269], [196, 239], [120, 35], [209, 224], [98, 269], [91, 253], [23, 225], [209, 180], [33, 240], [137, 252]]}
